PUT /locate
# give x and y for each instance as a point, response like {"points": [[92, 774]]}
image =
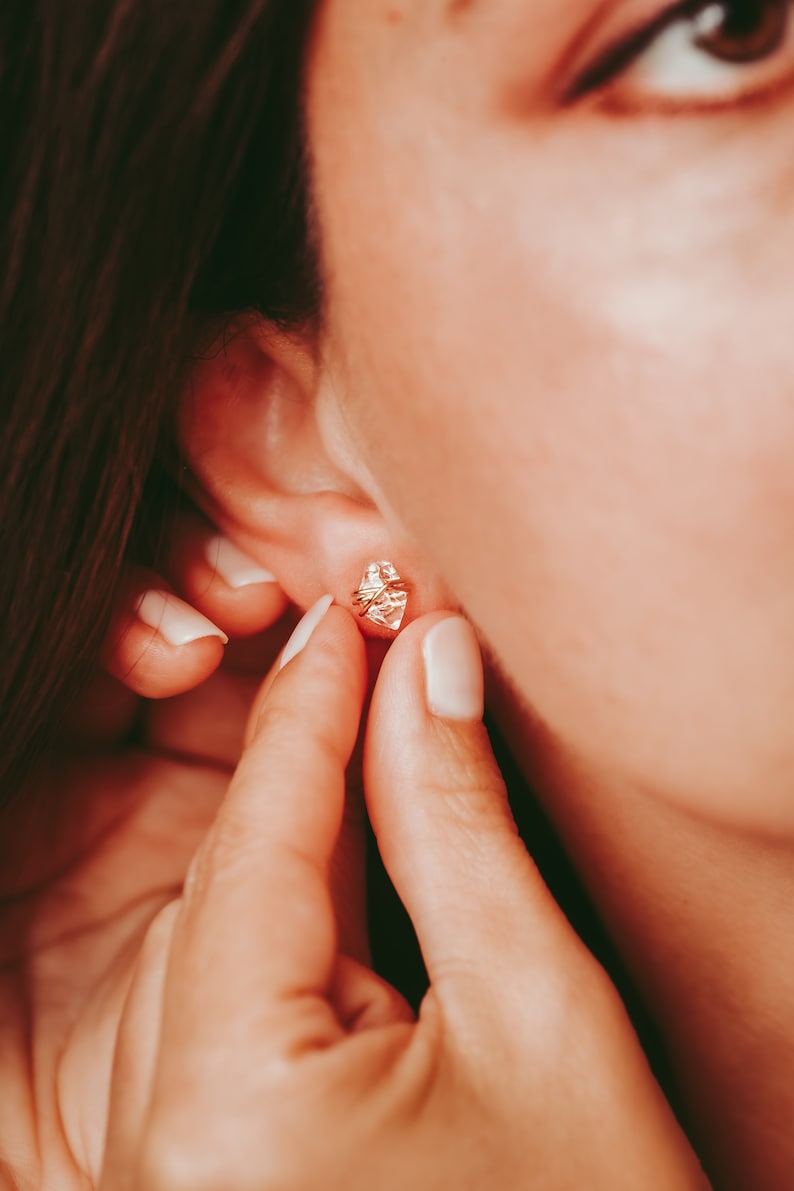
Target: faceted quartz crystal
{"points": [[382, 596]]}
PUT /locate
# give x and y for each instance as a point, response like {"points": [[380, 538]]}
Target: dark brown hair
{"points": [[151, 174]]}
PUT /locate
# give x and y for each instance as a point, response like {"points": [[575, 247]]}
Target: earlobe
{"points": [[276, 479]]}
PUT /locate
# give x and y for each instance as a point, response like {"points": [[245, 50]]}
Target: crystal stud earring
{"points": [[382, 596]]}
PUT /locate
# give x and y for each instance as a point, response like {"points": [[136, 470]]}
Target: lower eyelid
{"points": [[626, 105]]}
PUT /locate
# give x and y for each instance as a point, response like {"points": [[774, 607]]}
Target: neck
{"points": [[703, 919]]}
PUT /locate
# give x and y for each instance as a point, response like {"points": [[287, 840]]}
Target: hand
{"points": [[104, 838], [253, 1054], [169, 631]]}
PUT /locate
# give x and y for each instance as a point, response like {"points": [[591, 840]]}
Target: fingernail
{"points": [[235, 567], [453, 671], [304, 629], [175, 620]]}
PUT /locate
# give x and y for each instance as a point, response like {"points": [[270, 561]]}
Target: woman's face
{"points": [[558, 239]]}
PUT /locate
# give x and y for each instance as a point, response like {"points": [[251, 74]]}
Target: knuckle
{"points": [[219, 860], [469, 793], [561, 1012], [279, 721], [468, 780], [576, 1007]]}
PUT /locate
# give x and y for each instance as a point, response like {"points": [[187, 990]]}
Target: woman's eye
{"points": [[702, 54]]}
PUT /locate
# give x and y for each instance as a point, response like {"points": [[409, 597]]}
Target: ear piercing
{"points": [[382, 596]]}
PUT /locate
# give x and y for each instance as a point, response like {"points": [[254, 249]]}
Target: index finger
{"points": [[257, 931]]}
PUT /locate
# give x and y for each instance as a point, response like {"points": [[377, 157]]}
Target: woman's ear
{"points": [[282, 481]]}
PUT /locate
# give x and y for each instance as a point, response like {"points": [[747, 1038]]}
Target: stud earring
{"points": [[382, 596]]}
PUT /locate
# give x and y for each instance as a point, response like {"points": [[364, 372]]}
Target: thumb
{"points": [[439, 808]]}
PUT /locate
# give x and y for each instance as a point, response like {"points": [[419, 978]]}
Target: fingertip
{"points": [[329, 626], [236, 568], [453, 673], [304, 630], [160, 646], [434, 668], [177, 622], [242, 611], [325, 647], [229, 586]]}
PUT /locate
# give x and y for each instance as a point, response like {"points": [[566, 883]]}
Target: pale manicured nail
{"points": [[304, 629], [453, 671], [234, 566], [174, 620]]}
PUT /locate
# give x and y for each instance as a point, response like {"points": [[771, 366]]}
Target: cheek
{"points": [[570, 416]]}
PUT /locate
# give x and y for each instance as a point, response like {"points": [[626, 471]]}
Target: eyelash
{"points": [[597, 80]]}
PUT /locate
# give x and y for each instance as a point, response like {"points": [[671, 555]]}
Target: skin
{"points": [[128, 799], [588, 305], [494, 302], [633, 366], [184, 984]]}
